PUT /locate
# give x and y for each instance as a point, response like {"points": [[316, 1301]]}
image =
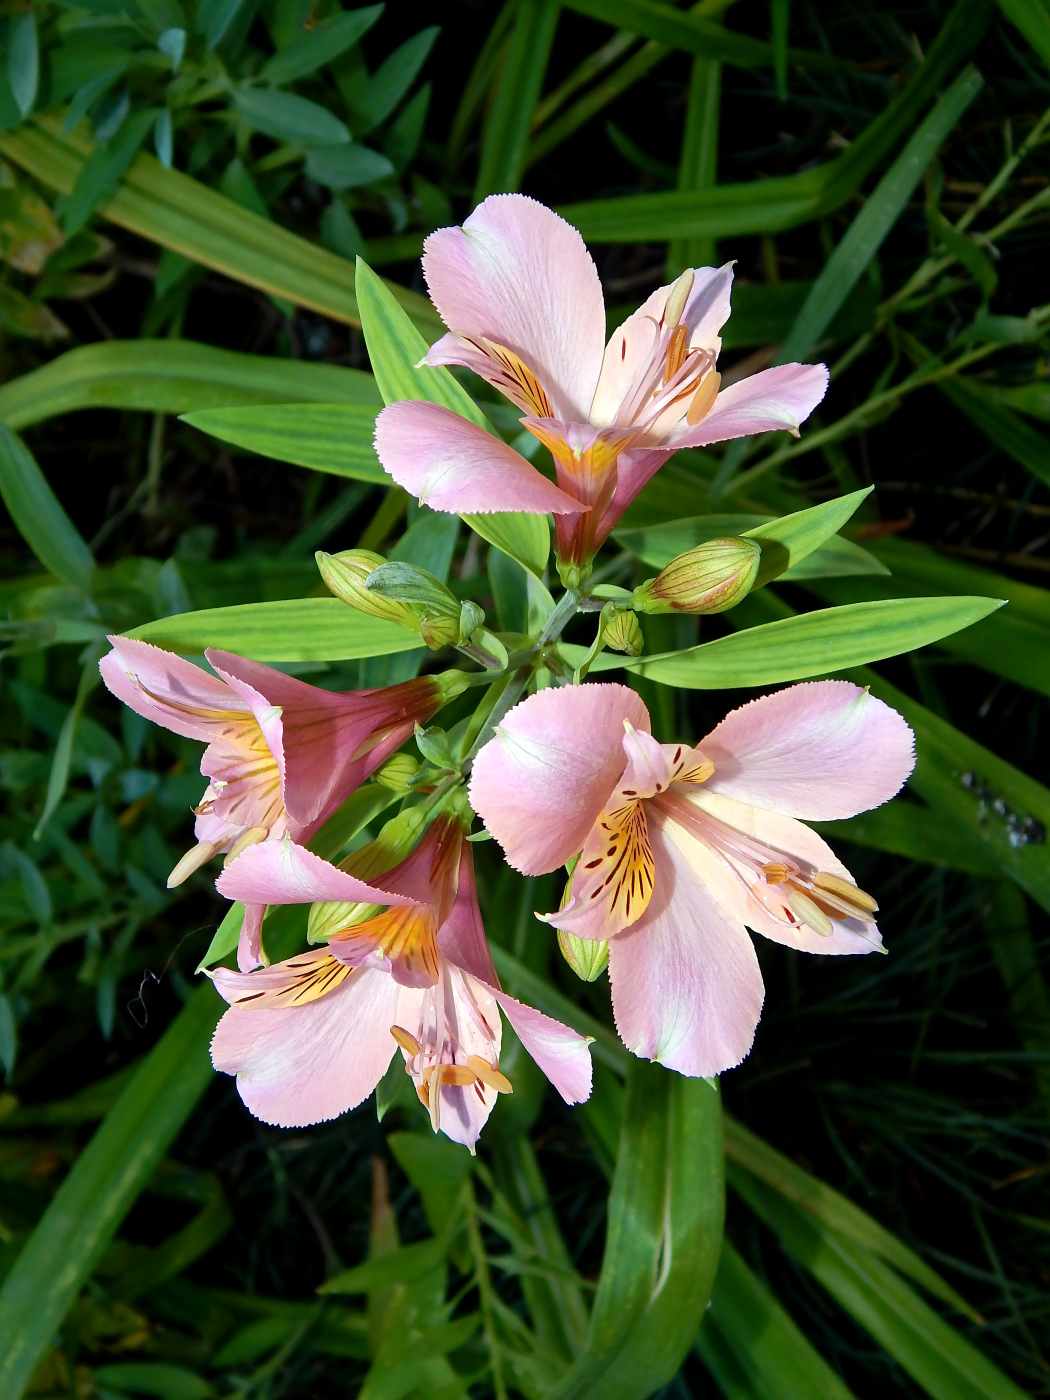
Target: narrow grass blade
{"points": [[172, 376], [1009, 934], [59, 775], [698, 164], [57, 1259], [517, 92], [1032, 18], [38, 516], [1018, 439], [904, 828], [334, 438], [296, 629], [881, 211]]}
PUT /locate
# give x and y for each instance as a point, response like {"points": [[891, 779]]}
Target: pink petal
{"points": [[686, 986], [169, 690], [461, 939], [280, 872], [735, 887], [560, 1052], [249, 943], [628, 356], [307, 1064], [782, 397], [453, 465], [820, 751], [541, 782], [521, 276]]}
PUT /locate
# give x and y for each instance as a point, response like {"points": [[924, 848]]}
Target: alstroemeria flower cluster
{"points": [[681, 849], [523, 304]]}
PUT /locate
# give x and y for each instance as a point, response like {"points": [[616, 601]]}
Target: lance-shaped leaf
{"points": [[38, 516], [395, 348], [327, 437], [299, 629]]}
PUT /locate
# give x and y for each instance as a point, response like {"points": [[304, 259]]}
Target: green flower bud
{"points": [[397, 772], [623, 632], [345, 575], [588, 957], [711, 578]]}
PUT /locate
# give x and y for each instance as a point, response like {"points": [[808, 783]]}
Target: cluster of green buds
{"points": [[408, 595], [711, 578]]}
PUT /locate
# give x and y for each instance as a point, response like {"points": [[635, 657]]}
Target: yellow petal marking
{"points": [[626, 863]]}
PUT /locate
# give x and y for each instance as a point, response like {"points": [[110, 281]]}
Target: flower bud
{"points": [[708, 579], [345, 575], [623, 632], [588, 957], [397, 772]]}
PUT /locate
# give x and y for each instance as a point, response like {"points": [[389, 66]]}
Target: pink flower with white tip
{"points": [[310, 1038], [681, 850], [282, 755], [521, 298]]}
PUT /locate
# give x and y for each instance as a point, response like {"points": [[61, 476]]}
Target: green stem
{"points": [[485, 1291]]}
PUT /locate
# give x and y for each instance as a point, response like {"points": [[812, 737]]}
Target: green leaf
{"points": [[965, 249], [766, 206], [173, 376], [1033, 399], [347, 166], [406, 1264], [224, 939], [101, 1187], [698, 163], [155, 1379], [812, 644], [186, 216], [60, 764], [313, 48], [934, 1354], [1033, 20], [328, 437], [694, 34], [882, 209], [102, 171], [905, 829], [754, 1348], [395, 348], [38, 516], [286, 117], [23, 62], [986, 410], [297, 629], [391, 81], [502, 159]]}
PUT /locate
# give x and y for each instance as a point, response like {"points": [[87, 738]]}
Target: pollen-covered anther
{"points": [[810, 913], [776, 872], [675, 352], [406, 1040], [704, 398], [192, 861], [251, 837], [490, 1075], [834, 890]]}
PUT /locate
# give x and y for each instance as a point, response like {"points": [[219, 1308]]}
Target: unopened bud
{"points": [[397, 772], [623, 632], [345, 575], [588, 957], [708, 579]]}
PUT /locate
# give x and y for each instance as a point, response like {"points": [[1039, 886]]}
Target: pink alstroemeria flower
{"points": [[521, 298], [681, 848], [282, 755], [312, 1037]]}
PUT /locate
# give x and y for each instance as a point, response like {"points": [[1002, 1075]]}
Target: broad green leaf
{"points": [[766, 206], [347, 166], [754, 1348], [502, 159], [23, 61], [1033, 399], [25, 317], [101, 1187], [38, 516], [298, 629], [313, 48], [177, 212], [328, 437], [395, 348], [391, 81], [153, 1378], [287, 117], [812, 644], [436, 1167], [693, 33], [224, 939], [833, 1210], [406, 1264], [985, 409], [172, 376], [933, 1353], [102, 171], [905, 829], [881, 211]]}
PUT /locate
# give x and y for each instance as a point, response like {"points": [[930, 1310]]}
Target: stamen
{"points": [[675, 353], [776, 872], [809, 913], [251, 837], [490, 1075], [704, 398], [193, 860], [678, 297], [846, 891], [407, 1042], [459, 1076]]}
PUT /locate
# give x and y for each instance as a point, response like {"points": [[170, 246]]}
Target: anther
{"points": [[704, 398], [677, 298], [407, 1042], [777, 872], [809, 913], [846, 891], [490, 1075], [193, 860], [251, 837], [675, 352]]}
